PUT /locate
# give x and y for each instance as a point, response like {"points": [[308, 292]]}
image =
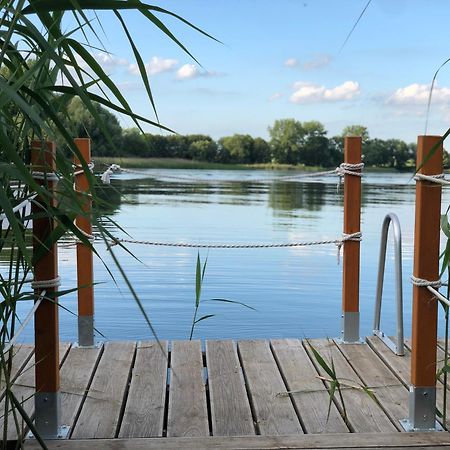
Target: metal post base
{"points": [[350, 328], [47, 416], [86, 331], [422, 410]]}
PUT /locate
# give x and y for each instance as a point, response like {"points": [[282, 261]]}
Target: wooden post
{"points": [[85, 270], [47, 400], [352, 224], [422, 402]]}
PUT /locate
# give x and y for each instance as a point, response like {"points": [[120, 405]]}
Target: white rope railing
{"points": [[438, 179], [343, 169], [80, 170], [46, 284], [432, 286]]}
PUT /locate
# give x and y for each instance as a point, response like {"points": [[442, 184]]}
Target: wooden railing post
{"points": [[351, 255], [85, 270], [422, 397], [47, 398]]}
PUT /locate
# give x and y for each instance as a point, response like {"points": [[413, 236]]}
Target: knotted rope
{"points": [[46, 284], [432, 286], [438, 179]]}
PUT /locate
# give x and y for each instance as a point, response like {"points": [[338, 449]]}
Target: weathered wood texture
{"points": [[99, 416], [308, 392], [276, 389], [230, 408], [398, 441], [188, 415], [364, 415], [144, 411], [275, 413]]}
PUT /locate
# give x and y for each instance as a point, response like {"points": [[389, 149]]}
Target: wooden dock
{"points": [[229, 395]]}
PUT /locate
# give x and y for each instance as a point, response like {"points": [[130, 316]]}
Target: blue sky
{"points": [[282, 59]]}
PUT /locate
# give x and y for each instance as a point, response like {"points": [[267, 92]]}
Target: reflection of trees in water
{"points": [[291, 196]]}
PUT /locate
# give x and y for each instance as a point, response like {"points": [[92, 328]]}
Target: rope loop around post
{"points": [[426, 283], [350, 169], [437, 179], [46, 284], [347, 237]]}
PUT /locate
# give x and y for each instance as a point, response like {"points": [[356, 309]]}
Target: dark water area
{"points": [[295, 291]]}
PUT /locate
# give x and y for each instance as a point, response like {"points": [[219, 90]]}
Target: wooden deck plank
{"points": [[144, 411], [275, 414], [21, 353], [99, 415], [363, 413], [389, 391], [188, 415], [310, 396], [24, 389], [361, 441], [76, 374], [230, 409]]}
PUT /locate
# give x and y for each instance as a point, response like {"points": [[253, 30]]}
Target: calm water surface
{"points": [[296, 292]]}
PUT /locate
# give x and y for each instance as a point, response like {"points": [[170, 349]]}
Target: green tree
{"points": [[238, 148], [286, 140], [106, 140], [134, 142], [261, 151], [203, 150], [356, 130]]}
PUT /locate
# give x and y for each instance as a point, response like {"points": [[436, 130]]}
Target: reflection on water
{"points": [[296, 291]]}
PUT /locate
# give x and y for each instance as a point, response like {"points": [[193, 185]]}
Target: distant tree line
{"points": [[291, 142]]}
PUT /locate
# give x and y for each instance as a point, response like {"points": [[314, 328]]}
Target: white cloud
{"points": [[306, 92], [187, 72], [275, 96], [291, 62], [155, 65], [417, 94], [190, 71], [108, 61]]}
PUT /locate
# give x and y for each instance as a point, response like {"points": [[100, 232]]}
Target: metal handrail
{"points": [[397, 348]]}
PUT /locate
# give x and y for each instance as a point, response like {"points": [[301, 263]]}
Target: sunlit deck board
{"points": [[361, 441], [363, 413], [388, 390], [188, 415], [230, 409], [99, 417], [309, 394], [129, 393], [275, 414], [144, 411], [76, 374]]}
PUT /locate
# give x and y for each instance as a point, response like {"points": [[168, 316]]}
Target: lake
{"points": [[295, 292]]}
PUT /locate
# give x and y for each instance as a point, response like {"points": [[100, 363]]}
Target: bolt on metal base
{"points": [[47, 407], [86, 331], [350, 328], [422, 410]]}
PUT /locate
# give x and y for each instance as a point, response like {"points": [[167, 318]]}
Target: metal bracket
{"points": [[422, 410], [47, 407], [350, 328], [86, 331], [395, 348]]}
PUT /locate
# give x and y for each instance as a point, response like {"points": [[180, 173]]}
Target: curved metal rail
{"points": [[397, 348]]}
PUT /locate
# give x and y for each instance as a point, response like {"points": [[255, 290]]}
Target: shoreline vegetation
{"points": [[292, 144], [179, 163]]}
